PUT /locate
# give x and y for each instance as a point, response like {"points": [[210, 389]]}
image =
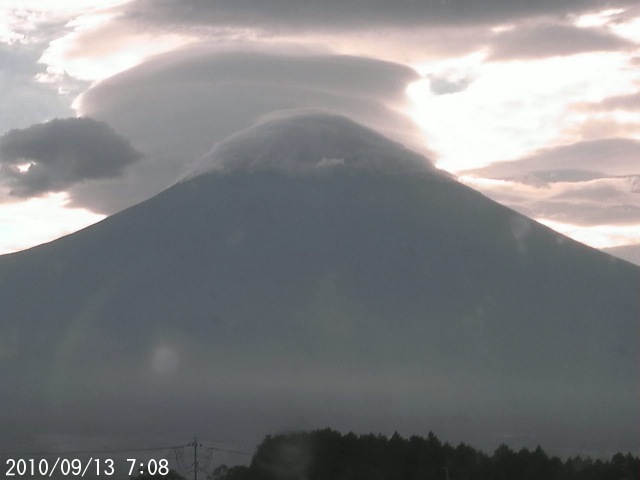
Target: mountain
{"points": [[312, 273]]}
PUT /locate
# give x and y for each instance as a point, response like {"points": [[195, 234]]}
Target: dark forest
{"points": [[329, 455]]}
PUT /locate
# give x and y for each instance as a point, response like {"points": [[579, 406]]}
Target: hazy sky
{"points": [[535, 104]]}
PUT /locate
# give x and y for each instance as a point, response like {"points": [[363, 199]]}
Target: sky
{"points": [[534, 104]]}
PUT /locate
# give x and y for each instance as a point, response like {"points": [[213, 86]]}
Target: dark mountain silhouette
{"points": [[314, 273]]}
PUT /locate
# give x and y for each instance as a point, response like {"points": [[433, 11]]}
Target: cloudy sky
{"points": [[535, 104]]}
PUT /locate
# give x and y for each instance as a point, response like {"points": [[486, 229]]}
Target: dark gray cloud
{"points": [[608, 201], [623, 102], [276, 16], [545, 40], [576, 162], [586, 183], [60, 153], [442, 85], [175, 107], [591, 191], [603, 202], [620, 102]]}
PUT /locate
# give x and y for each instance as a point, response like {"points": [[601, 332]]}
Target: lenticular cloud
{"points": [[308, 142]]}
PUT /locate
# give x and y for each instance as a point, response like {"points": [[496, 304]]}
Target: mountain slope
{"points": [[315, 274]]}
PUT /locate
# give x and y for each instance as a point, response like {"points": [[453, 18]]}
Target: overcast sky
{"points": [[535, 104]]}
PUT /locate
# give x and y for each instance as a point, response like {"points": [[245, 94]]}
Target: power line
{"points": [[90, 452], [85, 452], [200, 466], [237, 452], [194, 468]]}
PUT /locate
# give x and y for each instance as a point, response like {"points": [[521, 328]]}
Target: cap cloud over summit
{"points": [[310, 141]]}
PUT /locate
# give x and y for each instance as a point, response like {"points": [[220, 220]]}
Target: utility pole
{"points": [[195, 466], [195, 457]]}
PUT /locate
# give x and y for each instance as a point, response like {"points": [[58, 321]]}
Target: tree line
{"points": [[329, 455]]}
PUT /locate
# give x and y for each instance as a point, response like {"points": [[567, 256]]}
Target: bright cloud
{"points": [[628, 27], [21, 21], [597, 236], [597, 19], [511, 108], [84, 54], [39, 220]]}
